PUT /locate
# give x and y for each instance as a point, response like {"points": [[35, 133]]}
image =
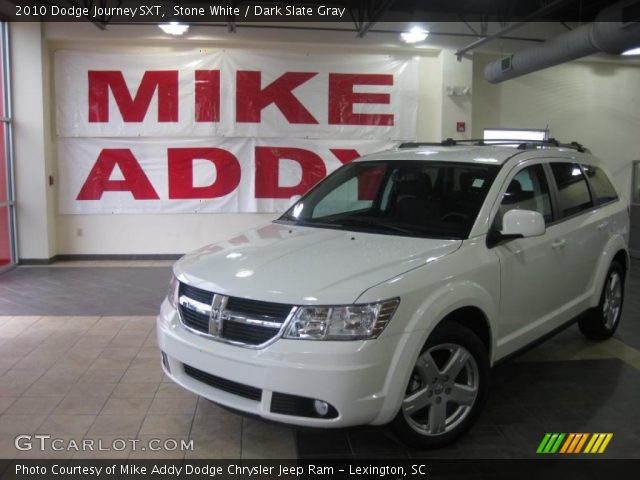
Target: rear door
{"points": [[583, 233]]}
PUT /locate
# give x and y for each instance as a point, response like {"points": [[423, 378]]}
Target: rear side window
{"points": [[573, 192], [601, 187]]}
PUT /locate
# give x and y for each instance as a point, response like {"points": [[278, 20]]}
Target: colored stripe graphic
{"points": [[573, 443], [598, 442], [568, 442], [581, 443], [550, 443], [576, 439], [544, 441], [591, 442], [556, 445]]}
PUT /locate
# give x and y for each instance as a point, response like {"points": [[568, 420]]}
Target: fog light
{"points": [[321, 408]]}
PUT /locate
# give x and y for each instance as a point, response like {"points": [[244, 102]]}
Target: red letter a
{"points": [[135, 181]]}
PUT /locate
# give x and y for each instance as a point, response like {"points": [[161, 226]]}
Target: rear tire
{"points": [[601, 322], [447, 388]]}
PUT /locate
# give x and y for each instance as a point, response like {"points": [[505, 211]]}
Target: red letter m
{"points": [[133, 109]]}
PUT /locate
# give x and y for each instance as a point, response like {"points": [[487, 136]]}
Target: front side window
{"points": [[603, 191], [401, 197], [573, 192], [528, 190]]}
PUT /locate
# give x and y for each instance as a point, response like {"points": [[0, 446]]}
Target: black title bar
{"points": [[320, 469]]}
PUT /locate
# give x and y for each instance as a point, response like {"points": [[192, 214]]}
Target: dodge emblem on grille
{"points": [[217, 312]]}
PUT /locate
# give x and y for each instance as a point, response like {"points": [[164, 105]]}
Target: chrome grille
{"points": [[198, 294], [236, 320], [194, 320], [245, 306], [249, 334]]}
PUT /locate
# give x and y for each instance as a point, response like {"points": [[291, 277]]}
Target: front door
{"points": [[529, 267]]}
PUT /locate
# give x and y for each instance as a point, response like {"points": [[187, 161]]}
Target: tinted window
{"points": [[573, 192], [602, 189], [357, 193], [430, 199], [528, 190]]}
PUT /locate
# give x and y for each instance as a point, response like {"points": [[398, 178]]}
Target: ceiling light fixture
{"points": [[174, 28], [415, 35], [632, 51]]}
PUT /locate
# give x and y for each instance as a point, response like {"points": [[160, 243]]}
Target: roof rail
{"points": [[522, 144]]}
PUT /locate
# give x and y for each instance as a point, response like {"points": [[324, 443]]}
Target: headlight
{"points": [[172, 294], [341, 322]]}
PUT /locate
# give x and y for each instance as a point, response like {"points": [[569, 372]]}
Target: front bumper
{"points": [[355, 377]]}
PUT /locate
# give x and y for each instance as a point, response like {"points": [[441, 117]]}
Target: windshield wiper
{"points": [[372, 222], [303, 222]]}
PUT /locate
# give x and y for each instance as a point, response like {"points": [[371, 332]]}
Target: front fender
{"points": [[428, 295]]}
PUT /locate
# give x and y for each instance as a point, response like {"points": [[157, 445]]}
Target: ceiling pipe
{"points": [[509, 28], [615, 29]]}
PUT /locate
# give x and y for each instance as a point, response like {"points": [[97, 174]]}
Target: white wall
{"points": [[593, 103], [455, 108]]}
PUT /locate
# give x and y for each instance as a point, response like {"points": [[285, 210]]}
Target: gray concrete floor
{"points": [[79, 360]]}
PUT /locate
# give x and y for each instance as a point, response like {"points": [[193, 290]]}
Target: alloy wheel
{"points": [[442, 390], [612, 300]]}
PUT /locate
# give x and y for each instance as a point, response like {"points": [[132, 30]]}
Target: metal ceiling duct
{"points": [[615, 29]]}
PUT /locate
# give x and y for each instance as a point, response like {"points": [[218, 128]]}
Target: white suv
{"points": [[387, 292]]}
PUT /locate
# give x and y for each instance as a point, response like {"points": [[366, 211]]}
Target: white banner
{"points": [[222, 131], [236, 93], [178, 175]]}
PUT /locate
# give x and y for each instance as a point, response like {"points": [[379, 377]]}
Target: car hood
{"points": [[305, 265]]}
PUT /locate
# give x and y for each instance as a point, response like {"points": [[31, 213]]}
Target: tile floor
{"points": [[76, 364], [99, 378]]}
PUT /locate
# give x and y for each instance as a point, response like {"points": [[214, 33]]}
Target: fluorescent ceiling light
{"points": [[632, 51], [496, 135], [174, 28], [415, 35]]}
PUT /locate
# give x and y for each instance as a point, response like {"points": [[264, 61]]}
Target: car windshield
{"points": [[397, 197]]}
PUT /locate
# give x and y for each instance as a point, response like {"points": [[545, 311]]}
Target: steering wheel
{"points": [[455, 217]]}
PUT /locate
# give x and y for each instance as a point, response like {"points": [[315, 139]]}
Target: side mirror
{"points": [[517, 224], [522, 224]]}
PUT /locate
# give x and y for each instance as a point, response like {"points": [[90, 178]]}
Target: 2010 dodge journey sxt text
{"points": [[387, 292]]}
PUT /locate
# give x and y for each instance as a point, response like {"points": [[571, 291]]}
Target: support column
{"points": [[34, 197]]}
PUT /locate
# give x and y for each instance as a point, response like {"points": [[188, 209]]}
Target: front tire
{"points": [[447, 388], [601, 322]]}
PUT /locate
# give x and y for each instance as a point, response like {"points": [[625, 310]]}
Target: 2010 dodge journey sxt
{"points": [[387, 292]]}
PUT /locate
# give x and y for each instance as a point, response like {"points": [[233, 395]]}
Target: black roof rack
{"points": [[522, 144]]}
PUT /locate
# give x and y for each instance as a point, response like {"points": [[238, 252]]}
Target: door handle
{"points": [[603, 225], [559, 244]]}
